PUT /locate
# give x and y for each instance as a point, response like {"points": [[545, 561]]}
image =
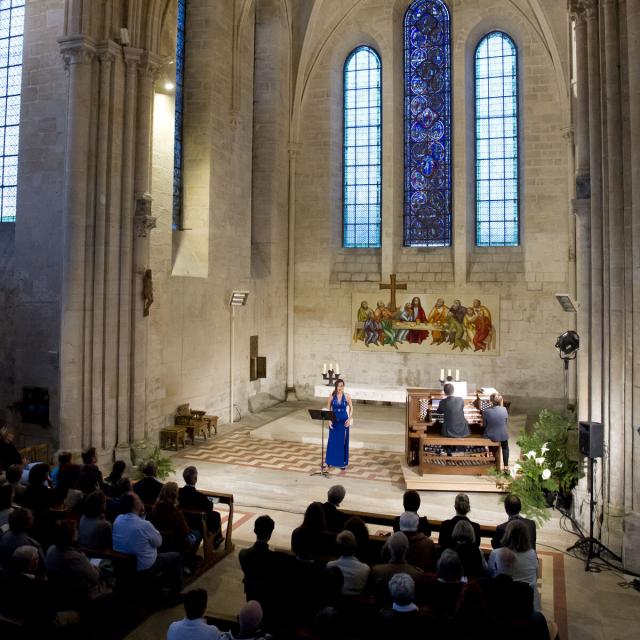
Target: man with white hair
{"points": [[422, 550], [404, 619], [249, 621]]}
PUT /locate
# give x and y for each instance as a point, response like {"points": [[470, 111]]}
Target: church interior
{"points": [[212, 210]]}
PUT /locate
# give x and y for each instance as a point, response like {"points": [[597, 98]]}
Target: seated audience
{"points": [[94, 530], [249, 622], [63, 458], [444, 591], [525, 567], [411, 502], [136, 536], [6, 502], [24, 595], [38, 495], [512, 506], [334, 519], [8, 453], [190, 498], [148, 487], [354, 572], [70, 570], [89, 477], [13, 476], [465, 546], [68, 475], [20, 524], [462, 508], [323, 541], [396, 547], [258, 563], [115, 505], [168, 519], [328, 624], [193, 626], [404, 619], [117, 473], [471, 619], [365, 551], [422, 550]]}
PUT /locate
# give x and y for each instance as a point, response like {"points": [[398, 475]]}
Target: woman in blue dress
{"points": [[338, 445]]}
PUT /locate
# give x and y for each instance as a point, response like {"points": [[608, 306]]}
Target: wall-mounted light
{"points": [[169, 86], [238, 298], [565, 301]]}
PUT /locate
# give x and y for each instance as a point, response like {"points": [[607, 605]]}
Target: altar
{"points": [[366, 392]]}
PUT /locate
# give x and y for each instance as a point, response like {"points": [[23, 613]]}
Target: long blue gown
{"points": [[338, 444]]}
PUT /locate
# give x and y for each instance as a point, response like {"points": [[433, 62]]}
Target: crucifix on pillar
{"points": [[394, 286]]}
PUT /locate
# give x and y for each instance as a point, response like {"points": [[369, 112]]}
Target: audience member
{"points": [[249, 621], [327, 624], [258, 563], [117, 472], [473, 562], [334, 518], [397, 547], [6, 500], [95, 530], [462, 508], [323, 541], [471, 615], [190, 498], [63, 458], [422, 550], [193, 626], [136, 536], [411, 502], [365, 551], [404, 619], [354, 572], [90, 476], [525, 567], [38, 495], [148, 487], [13, 476], [512, 506], [20, 523], [444, 591], [8, 453], [68, 476], [115, 505]]}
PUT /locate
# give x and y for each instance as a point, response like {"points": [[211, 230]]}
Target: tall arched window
{"points": [[177, 142], [362, 179], [497, 170], [11, 36], [427, 118]]}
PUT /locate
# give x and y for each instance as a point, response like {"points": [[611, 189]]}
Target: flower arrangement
{"points": [[163, 463]]}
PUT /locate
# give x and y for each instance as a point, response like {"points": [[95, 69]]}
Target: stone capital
{"points": [[143, 221], [590, 7], [108, 51], [77, 50]]}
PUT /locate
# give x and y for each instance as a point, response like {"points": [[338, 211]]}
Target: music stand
{"points": [[322, 414]]}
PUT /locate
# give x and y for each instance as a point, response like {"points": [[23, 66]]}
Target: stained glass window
{"points": [[11, 36], [177, 143], [427, 122], [496, 86], [362, 149]]}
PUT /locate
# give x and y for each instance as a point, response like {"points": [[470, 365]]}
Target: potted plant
{"points": [[163, 463]]}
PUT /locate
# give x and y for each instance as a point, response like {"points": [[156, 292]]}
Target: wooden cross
{"points": [[394, 286]]}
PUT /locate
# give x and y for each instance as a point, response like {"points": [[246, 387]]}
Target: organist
{"points": [[454, 424]]}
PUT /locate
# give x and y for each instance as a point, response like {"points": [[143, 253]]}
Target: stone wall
{"points": [[527, 369]]}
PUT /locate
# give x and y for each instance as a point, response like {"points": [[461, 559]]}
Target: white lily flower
{"points": [[540, 461], [530, 454], [514, 471], [558, 465], [546, 474], [544, 448]]}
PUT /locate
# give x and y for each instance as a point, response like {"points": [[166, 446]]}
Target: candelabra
{"points": [[331, 376]]}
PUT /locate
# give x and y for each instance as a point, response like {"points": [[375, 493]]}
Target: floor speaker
{"points": [[591, 439]]}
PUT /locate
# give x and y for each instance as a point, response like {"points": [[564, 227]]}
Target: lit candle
{"points": [[324, 368], [441, 374], [337, 369], [448, 373], [331, 366], [457, 375]]}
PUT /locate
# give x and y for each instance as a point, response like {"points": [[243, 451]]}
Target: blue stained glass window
{"points": [[497, 162], [177, 143], [427, 122], [11, 36], [362, 178]]}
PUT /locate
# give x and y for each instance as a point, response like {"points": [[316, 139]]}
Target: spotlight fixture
{"points": [[568, 344], [238, 298], [565, 301], [169, 86]]}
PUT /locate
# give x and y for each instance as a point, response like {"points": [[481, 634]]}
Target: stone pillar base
{"points": [[123, 452], [141, 450], [290, 394]]}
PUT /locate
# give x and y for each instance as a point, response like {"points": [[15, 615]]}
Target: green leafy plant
{"points": [[163, 463]]}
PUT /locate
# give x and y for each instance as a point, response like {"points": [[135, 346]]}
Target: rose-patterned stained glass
{"points": [[11, 37], [362, 179], [179, 114], [497, 151], [427, 118]]}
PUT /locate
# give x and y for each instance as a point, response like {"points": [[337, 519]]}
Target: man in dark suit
{"points": [[411, 502], [462, 507], [454, 424], [190, 498], [148, 488], [334, 518], [512, 506]]}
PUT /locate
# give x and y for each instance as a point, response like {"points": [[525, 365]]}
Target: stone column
{"points": [[78, 55], [615, 390], [291, 273], [633, 47], [595, 163]]}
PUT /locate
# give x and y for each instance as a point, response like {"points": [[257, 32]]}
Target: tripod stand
{"points": [[590, 546], [322, 414]]}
